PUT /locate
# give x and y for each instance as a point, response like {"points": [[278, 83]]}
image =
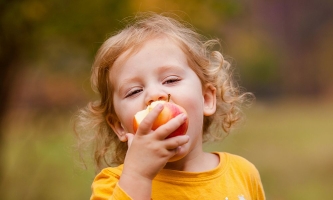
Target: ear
{"points": [[116, 127], [209, 97]]}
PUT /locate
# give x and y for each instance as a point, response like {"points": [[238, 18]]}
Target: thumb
{"points": [[130, 138]]}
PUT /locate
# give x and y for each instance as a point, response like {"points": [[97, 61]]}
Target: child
{"points": [[151, 58]]}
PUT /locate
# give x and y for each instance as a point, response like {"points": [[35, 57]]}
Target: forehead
{"points": [[159, 50]]}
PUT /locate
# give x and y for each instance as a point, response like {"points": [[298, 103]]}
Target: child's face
{"points": [[160, 68]]}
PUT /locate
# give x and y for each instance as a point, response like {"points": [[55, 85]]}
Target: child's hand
{"points": [[149, 151]]}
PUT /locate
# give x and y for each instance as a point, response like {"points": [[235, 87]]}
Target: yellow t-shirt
{"points": [[234, 178]]}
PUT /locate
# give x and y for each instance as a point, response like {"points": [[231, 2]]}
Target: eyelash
{"points": [[169, 81], [133, 93]]}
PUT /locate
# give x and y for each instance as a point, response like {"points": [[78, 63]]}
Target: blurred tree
{"points": [[29, 29], [18, 20], [208, 17], [298, 28]]}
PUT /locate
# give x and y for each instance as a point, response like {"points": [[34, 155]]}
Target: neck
{"points": [[196, 161]]}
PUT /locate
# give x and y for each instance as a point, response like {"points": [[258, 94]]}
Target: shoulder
{"points": [[110, 172], [238, 163], [243, 171], [239, 160], [105, 183]]}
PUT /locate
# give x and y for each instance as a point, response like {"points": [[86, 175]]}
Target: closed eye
{"points": [[131, 93], [171, 80]]}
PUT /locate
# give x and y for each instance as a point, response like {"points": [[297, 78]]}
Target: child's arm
{"points": [[148, 153]]}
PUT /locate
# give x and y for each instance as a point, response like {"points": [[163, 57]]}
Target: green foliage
{"points": [[40, 161]]}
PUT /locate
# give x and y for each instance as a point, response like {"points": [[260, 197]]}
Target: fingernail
{"points": [[178, 149], [187, 137], [159, 106], [184, 117]]}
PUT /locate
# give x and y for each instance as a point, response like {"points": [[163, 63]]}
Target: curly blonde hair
{"points": [[208, 64]]}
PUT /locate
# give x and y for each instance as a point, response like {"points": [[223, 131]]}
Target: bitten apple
{"points": [[169, 111]]}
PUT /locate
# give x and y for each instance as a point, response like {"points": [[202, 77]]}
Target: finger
{"points": [[130, 138], [147, 123], [178, 150], [176, 142], [166, 129]]}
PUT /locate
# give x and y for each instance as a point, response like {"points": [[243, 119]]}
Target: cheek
{"points": [[125, 114], [197, 115], [194, 109], [126, 119]]}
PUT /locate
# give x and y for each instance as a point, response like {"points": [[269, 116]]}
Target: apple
{"points": [[169, 111]]}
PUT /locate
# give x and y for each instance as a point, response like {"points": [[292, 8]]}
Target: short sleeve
{"points": [[105, 187]]}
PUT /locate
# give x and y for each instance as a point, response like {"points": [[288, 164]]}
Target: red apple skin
{"points": [[169, 111]]}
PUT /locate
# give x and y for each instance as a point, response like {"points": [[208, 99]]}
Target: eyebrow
{"points": [[125, 82], [169, 67]]}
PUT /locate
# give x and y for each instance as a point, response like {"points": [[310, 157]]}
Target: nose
{"points": [[155, 94]]}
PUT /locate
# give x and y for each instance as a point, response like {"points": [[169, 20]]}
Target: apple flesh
{"points": [[169, 111]]}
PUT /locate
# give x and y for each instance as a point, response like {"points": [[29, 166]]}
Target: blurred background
{"points": [[282, 51]]}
